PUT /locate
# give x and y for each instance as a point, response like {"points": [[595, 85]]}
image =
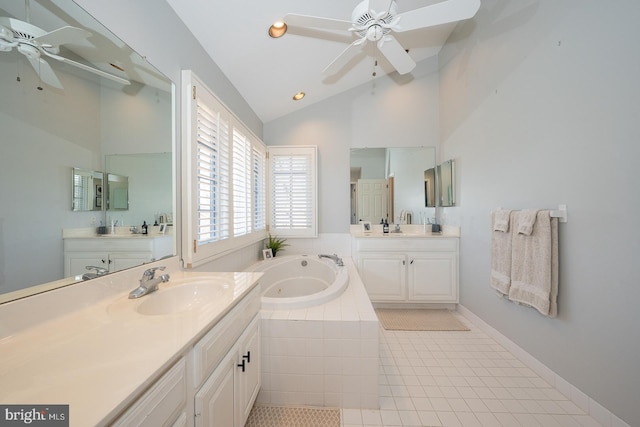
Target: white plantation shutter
{"points": [[212, 171], [241, 184], [224, 178], [293, 191], [259, 189]]}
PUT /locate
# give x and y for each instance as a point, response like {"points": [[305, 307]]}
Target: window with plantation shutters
{"points": [[212, 169], [293, 206], [225, 177]]}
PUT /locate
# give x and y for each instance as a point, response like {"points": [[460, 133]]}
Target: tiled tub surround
{"points": [[326, 355], [79, 345]]}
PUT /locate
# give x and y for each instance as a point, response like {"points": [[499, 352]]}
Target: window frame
{"points": [[197, 252]]}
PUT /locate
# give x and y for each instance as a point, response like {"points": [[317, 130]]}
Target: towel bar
{"points": [[560, 213]]}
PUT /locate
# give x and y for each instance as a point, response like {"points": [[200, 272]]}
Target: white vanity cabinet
{"points": [[228, 361], [227, 396], [408, 269], [216, 381], [113, 253]]}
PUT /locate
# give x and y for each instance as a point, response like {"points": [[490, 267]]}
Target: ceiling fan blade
{"points": [[6, 37], [437, 14], [306, 21], [87, 68], [45, 72], [62, 36], [344, 57], [396, 55]]}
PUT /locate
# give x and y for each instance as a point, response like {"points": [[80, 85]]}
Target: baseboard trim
{"points": [[582, 400]]}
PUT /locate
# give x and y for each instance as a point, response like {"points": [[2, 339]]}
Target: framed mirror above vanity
{"points": [[63, 124], [389, 183]]}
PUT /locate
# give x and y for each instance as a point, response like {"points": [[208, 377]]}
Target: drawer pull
{"points": [[241, 365], [247, 356]]}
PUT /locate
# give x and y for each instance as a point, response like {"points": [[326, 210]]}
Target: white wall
{"points": [[385, 113], [540, 106]]}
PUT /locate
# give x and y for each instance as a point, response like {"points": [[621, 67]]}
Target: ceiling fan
{"points": [[38, 45], [377, 20]]}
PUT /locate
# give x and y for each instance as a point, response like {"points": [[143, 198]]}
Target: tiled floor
{"points": [[460, 379]]}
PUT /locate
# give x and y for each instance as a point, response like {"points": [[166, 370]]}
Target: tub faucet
{"points": [[148, 283], [334, 257]]}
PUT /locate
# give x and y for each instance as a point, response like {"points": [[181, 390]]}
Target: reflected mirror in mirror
{"points": [[118, 192], [446, 186], [86, 190], [388, 183], [72, 118], [430, 188]]}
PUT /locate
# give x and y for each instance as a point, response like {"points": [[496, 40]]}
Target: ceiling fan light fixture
{"points": [[298, 96], [277, 29]]}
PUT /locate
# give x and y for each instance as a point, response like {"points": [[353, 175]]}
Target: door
{"points": [[372, 200]]}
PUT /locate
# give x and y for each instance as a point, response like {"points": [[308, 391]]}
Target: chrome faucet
{"points": [[334, 257], [100, 271], [148, 283]]}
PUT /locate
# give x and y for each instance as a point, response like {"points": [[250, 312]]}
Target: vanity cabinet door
{"points": [[76, 262], [214, 402], [122, 260], [383, 275], [433, 277], [249, 372]]}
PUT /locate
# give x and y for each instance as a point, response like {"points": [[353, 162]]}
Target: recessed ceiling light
{"points": [[277, 29], [298, 96]]}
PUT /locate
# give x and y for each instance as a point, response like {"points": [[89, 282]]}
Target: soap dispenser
{"points": [[144, 227], [385, 227]]}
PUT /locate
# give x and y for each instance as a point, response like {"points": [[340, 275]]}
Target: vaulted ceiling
{"points": [[268, 72]]}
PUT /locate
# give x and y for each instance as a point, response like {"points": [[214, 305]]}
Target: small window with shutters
{"points": [[293, 191]]}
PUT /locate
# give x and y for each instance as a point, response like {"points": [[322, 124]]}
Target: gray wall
{"points": [[153, 29], [540, 107]]}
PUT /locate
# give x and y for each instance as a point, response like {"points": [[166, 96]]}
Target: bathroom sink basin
{"points": [[180, 298]]}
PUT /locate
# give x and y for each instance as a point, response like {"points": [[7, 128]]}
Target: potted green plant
{"points": [[275, 244]]}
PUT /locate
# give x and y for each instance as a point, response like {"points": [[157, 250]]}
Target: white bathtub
{"points": [[300, 281]]}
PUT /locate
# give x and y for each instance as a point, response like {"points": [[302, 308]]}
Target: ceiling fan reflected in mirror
{"points": [[37, 45], [377, 20]]}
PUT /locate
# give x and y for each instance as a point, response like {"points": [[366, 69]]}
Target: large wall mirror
{"points": [[113, 113], [389, 183]]}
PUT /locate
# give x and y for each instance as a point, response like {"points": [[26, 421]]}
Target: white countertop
{"points": [[407, 231], [100, 358]]}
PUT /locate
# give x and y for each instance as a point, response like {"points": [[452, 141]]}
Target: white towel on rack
{"points": [[500, 257], [534, 264], [527, 219], [501, 220]]}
